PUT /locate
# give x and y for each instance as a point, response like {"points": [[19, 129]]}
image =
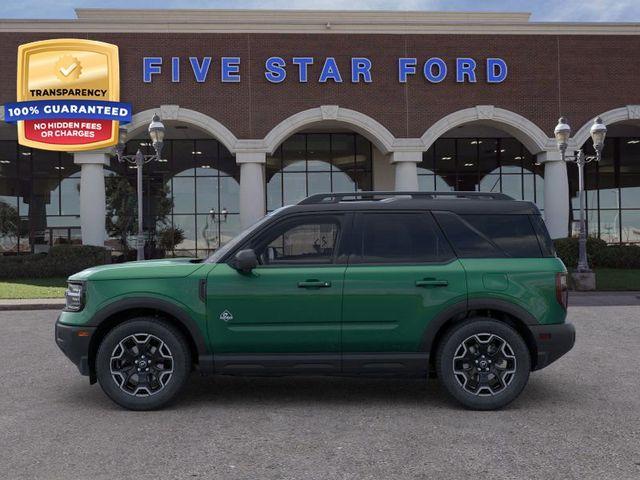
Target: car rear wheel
{"points": [[483, 363], [143, 363]]}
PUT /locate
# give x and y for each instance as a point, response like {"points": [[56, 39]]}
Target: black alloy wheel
{"points": [[483, 363], [143, 363]]}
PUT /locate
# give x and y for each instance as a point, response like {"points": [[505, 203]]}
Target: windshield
{"points": [[241, 237]]}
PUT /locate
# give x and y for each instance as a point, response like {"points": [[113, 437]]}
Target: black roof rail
{"points": [[360, 196]]}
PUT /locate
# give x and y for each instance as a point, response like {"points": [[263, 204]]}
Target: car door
{"points": [[289, 307], [401, 274]]}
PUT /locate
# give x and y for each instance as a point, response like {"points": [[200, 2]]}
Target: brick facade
{"points": [[574, 75]]}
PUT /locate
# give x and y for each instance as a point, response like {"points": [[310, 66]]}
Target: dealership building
{"points": [[263, 108]]}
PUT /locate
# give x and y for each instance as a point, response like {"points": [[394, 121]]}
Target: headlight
{"points": [[74, 297]]}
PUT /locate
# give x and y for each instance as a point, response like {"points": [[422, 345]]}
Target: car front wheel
{"points": [[483, 363], [143, 363]]}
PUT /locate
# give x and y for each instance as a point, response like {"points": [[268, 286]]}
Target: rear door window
{"points": [[401, 238]]}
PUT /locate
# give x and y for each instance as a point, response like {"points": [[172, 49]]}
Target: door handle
{"points": [[314, 284], [431, 282]]}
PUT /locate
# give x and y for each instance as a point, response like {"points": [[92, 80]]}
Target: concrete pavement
{"points": [[576, 419]]}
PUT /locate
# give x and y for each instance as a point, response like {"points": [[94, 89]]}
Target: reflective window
{"points": [[402, 237], [514, 234], [484, 165], [39, 199], [612, 191], [194, 189], [307, 242], [467, 241], [308, 163]]}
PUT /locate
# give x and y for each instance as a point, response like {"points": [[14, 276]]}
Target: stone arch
{"points": [[622, 114], [374, 131], [210, 125], [527, 132]]}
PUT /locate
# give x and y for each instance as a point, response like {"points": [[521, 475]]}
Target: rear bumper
{"points": [[74, 342], [552, 342]]}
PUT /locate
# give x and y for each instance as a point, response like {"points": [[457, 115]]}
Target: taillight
{"points": [[562, 290]]}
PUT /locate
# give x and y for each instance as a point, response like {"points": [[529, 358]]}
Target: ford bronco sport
{"points": [[462, 285]]}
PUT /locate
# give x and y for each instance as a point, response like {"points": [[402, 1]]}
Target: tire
{"points": [[483, 363], [143, 363]]}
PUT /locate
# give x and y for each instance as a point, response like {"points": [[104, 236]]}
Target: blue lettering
{"points": [[151, 66], [200, 71], [428, 70], [275, 69], [406, 66], [175, 69], [496, 70], [303, 64], [330, 71], [230, 70], [465, 67], [360, 67]]}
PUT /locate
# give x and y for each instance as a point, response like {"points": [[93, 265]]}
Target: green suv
{"points": [[465, 286]]}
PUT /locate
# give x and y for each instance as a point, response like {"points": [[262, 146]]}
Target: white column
{"points": [[406, 166], [556, 194], [92, 195], [252, 187]]}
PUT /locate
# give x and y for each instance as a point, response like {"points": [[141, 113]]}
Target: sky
{"points": [[542, 10]]}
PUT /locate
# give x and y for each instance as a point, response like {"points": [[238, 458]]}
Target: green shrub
{"points": [[599, 254], [61, 261]]}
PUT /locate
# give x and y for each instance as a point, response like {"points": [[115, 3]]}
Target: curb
{"points": [[35, 304]]}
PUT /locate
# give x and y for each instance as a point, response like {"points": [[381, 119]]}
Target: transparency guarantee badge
{"points": [[68, 95]]}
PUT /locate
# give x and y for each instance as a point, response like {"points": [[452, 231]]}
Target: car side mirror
{"points": [[245, 261]]}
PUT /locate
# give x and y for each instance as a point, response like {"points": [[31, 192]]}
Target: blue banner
{"points": [[67, 109]]}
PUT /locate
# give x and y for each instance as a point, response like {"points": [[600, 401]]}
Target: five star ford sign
{"points": [[68, 95]]}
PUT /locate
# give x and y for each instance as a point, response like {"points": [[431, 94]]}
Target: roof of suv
{"points": [[458, 202]]}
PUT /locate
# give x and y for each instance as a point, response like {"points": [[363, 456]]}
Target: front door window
{"points": [[307, 243]]}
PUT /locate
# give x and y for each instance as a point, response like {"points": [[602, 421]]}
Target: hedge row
{"points": [[599, 253], [61, 261]]}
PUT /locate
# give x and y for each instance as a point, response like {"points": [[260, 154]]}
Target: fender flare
{"points": [[463, 308], [163, 306]]}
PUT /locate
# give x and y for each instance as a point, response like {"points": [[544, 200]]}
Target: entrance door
{"points": [[289, 306], [402, 274]]}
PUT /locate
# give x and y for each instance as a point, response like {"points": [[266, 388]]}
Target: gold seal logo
{"points": [[68, 68]]}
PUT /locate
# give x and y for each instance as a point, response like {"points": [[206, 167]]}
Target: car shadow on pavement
{"points": [[340, 392], [309, 390], [245, 392]]}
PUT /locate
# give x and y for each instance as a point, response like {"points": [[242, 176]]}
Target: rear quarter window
{"points": [[513, 234], [546, 244], [467, 241], [492, 235]]}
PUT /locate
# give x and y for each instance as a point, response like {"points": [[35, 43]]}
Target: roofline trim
{"points": [[310, 21]]}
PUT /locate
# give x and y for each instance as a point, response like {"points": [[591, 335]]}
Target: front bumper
{"points": [[552, 342], [74, 342]]}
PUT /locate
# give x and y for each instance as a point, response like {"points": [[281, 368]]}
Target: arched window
{"points": [[612, 188], [308, 163], [482, 164], [194, 188]]}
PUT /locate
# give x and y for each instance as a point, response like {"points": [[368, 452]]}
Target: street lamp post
{"points": [[156, 133], [562, 133], [210, 230]]}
